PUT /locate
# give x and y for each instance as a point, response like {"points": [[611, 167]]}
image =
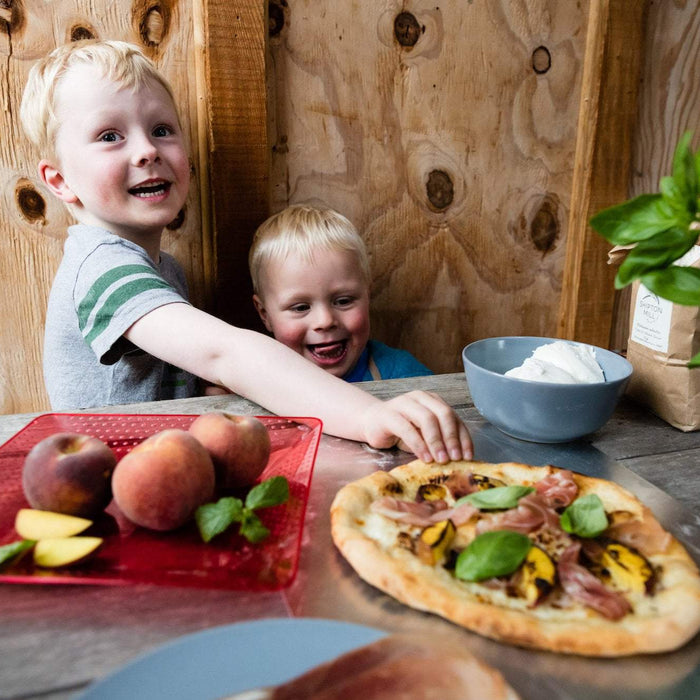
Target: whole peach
{"points": [[163, 480], [69, 473], [239, 446]]}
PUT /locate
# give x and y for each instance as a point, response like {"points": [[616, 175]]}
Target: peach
{"points": [[239, 446], [162, 481], [69, 473]]}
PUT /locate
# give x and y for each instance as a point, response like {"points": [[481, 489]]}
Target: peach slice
{"points": [[63, 551], [33, 524]]}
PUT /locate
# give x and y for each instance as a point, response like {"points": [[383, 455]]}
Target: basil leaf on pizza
{"points": [[492, 554], [497, 498], [585, 517], [541, 557]]}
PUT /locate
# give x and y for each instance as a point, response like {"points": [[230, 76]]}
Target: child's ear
{"points": [[260, 308], [52, 178]]}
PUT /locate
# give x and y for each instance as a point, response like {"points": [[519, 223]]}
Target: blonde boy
{"points": [[311, 280], [119, 328]]}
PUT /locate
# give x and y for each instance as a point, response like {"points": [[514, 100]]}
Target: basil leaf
{"points": [[214, 518], [252, 528], [497, 498], [659, 251], [677, 283], [270, 492], [694, 361], [490, 554], [636, 220], [685, 175], [13, 549], [585, 517]]}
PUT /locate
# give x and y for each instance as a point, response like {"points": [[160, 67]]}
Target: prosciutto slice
{"points": [[558, 490], [647, 537], [397, 667], [531, 513], [583, 586], [424, 513]]}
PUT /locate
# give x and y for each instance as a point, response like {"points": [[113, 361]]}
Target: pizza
{"points": [[395, 666], [539, 557]]}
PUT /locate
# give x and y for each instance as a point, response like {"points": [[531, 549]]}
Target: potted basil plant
{"points": [[660, 228]]}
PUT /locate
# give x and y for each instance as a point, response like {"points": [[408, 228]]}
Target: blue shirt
{"points": [[392, 363]]}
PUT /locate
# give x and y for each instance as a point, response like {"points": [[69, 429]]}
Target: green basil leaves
{"points": [[585, 517], [662, 228], [495, 553], [214, 518], [497, 498]]}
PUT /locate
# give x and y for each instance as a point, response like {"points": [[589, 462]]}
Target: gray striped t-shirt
{"points": [[104, 284]]}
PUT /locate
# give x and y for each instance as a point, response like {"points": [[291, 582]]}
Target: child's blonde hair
{"points": [[303, 229], [118, 61]]}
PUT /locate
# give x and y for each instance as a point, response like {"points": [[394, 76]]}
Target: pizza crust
{"points": [[661, 622]]}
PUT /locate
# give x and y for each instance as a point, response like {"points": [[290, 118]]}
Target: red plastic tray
{"points": [[132, 555]]}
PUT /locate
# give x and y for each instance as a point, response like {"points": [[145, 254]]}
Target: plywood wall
{"points": [[469, 142], [447, 133]]}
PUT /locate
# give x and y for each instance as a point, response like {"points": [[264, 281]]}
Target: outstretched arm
{"points": [[267, 372]]}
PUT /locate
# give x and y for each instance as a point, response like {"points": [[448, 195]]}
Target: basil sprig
{"points": [[214, 518], [662, 227], [497, 498], [495, 553], [585, 517], [9, 551]]}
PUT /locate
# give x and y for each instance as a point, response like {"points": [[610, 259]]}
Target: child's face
{"points": [[319, 309], [122, 161]]}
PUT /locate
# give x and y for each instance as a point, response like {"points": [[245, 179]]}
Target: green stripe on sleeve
{"points": [[118, 298], [102, 283]]}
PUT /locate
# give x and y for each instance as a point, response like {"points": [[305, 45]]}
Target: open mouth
{"points": [[150, 190], [328, 353]]}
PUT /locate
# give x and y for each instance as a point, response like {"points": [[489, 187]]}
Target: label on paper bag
{"points": [[652, 320], [651, 324]]}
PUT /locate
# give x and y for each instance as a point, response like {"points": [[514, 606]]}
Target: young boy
{"points": [[311, 280], [119, 328]]}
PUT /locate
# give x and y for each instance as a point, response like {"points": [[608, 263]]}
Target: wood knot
{"points": [[282, 145], [6, 11], [31, 204], [80, 33], [541, 60], [12, 14], [440, 189], [152, 20], [177, 222], [275, 16], [544, 227], [407, 29]]}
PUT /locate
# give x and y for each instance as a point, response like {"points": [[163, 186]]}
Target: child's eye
{"points": [[299, 308], [344, 301], [109, 136], [162, 130]]}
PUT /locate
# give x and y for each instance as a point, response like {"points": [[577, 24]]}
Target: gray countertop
{"points": [[56, 640]]}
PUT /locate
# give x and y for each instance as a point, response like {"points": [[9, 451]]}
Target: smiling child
{"points": [[311, 279]]}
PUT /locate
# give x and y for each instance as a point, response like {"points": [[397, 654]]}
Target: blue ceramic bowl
{"points": [[539, 411]]}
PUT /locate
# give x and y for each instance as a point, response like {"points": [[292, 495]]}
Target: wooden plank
{"points": [[234, 36], [602, 164]]}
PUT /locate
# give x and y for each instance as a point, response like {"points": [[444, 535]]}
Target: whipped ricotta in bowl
{"points": [[560, 363]]}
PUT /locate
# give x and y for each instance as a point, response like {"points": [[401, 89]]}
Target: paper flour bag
{"points": [[663, 338]]}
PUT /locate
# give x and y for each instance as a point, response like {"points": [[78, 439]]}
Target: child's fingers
{"points": [[453, 433], [434, 426]]}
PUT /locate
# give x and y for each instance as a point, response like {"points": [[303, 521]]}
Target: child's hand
{"points": [[424, 423]]}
